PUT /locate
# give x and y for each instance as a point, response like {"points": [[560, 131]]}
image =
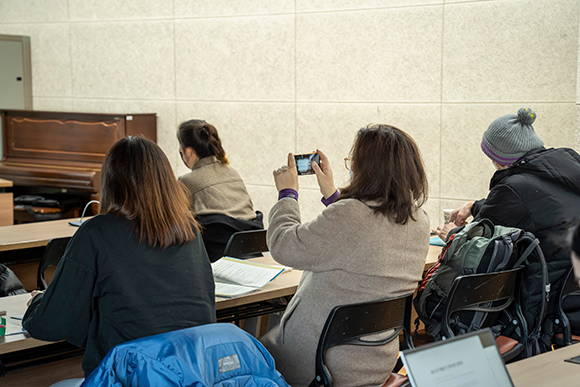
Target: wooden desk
{"points": [[22, 246], [24, 236], [6, 204], [283, 285], [37, 234], [432, 256], [548, 369]]}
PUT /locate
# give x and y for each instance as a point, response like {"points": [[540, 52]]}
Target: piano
{"points": [[60, 153]]}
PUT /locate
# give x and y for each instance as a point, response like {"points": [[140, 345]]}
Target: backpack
{"points": [[481, 247], [9, 284]]}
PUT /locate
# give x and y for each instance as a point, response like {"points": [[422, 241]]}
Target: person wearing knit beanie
{"points": [[510, 137]]}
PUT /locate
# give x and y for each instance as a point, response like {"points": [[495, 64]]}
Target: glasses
{"points": [[347, 163]]}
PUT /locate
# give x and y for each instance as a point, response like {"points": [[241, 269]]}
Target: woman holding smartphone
{"points": [[369, 244], [137, 269]]}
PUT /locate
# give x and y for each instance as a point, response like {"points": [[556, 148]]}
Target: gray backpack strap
{"points": [[535, 243]]}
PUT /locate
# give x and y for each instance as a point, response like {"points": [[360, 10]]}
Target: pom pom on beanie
{"points": [[510, 137]]}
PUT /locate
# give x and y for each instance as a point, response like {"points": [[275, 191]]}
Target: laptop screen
{"points": [[468, 360]]}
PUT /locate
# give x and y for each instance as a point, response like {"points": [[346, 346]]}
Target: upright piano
{"points": [[61, 153]]}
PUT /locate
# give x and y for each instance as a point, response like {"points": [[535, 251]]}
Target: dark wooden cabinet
{"points": [[60, 152]]}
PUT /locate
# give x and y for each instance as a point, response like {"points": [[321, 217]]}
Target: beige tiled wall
{"points": [[276, 76]]}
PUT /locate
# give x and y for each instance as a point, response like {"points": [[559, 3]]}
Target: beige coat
{"points": [[348, 255], [216, 188]]}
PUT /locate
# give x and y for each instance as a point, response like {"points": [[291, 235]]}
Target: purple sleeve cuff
{"points": [[331, 199], [288, 193]]}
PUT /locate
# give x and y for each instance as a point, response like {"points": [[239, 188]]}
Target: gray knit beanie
{"points": [[510, 137]]}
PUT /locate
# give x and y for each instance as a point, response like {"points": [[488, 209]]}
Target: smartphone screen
{"points": [[304, 162]]}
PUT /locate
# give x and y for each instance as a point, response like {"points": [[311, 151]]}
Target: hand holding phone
{"points": [[287, 175], [304, 162]]}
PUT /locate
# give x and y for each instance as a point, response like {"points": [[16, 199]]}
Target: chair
{"points": [[569, 288], [10, 285], [52, 254], [485, 293], [246, 244], [218, 354], [346, 324], [217, 230]]}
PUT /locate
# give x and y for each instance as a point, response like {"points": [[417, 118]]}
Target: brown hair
{"points": [[387, 170], [138, 184], [203, 138]]}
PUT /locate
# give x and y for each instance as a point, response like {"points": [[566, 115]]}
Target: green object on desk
{"points": [[2, 326], [436, 241]]}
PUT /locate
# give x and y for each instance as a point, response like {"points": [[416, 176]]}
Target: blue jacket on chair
{"points": [[207, 355]]}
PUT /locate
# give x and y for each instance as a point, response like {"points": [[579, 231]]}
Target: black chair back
{"points": [[246, 244], [475, 292], [485, 294], [346, 324], [52, 254], [217, 230], [570, 288]]}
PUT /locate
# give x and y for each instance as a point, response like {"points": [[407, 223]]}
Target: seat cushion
{"points": [[505, 344], [561, 337], [395, 380]]}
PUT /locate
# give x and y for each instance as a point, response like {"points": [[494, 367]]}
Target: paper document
{"points": [[14, 325], [235, 277]]}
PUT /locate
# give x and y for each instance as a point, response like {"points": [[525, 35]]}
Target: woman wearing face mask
{"points": [[369, 244], [217, 194]]}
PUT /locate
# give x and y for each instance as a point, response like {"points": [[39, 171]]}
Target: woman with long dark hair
{"points": [[217, 194], [369, 244], [137, 269]]}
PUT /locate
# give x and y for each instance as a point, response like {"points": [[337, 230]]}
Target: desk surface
{"points": [[38, 234], [283, 285], [548, 369], [5, 183]]}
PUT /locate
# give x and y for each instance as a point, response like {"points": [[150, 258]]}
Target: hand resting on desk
{"points": [[33, 294]]}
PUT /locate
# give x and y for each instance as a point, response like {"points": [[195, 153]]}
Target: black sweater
{"points": [[109, 288]]}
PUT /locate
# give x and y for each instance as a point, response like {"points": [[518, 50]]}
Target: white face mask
{"points": [[351, 175]]}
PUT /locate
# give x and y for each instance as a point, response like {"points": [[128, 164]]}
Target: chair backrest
{"points": [[346, 324], [52, 254], [569, 288], [486, 293], [246, 244], [217, 230]]}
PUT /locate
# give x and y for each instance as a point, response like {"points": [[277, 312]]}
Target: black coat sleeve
{"points": [[504, 207], [64, 311], [477, 207]]}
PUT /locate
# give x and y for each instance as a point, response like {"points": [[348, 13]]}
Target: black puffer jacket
{"points": [[540, 193]]}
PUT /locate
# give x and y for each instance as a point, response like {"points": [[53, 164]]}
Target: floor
{"points": [[45, 374]]}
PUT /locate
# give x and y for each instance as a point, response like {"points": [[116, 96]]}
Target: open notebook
{"points": [[469, 360]]}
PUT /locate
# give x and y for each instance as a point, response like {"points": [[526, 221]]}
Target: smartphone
{"points": [[304, 162]]}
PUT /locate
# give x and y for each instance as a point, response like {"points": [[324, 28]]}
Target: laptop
{"points": [[468, 360]]}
